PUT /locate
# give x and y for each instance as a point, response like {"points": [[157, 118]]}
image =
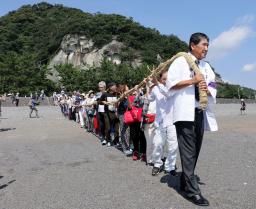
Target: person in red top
{"points": [[136, 133]]}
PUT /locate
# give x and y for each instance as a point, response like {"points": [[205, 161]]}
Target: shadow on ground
{"points": [[6, 129], [7, 184], [174, 182]]}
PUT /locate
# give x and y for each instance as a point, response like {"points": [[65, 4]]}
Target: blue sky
{"points": [[231, 26]]}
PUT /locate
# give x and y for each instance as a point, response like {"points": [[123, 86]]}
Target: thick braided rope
{"points": [[203, 98]]}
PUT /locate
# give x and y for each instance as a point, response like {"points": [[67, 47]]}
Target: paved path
{"points": [[51, 163]]}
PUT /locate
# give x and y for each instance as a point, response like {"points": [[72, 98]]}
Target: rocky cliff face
{"points": [[81, 52]]}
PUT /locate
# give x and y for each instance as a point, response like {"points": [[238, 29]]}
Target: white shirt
{"points": [[152, 108], [89, 102], [101, 108], [112, 107], [163, 107], [69, 102], [184, 102], [83, 103]]}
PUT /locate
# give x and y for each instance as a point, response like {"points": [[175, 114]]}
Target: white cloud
{"points": [[228, 41], [247, 19], [231, 39], [249, 67]]}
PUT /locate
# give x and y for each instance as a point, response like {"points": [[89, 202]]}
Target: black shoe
{"points": [[173, 173], [155, 171], [118, 145], [182, 186], [182, 183], [151, 164], [116, 141], [197, 178], [198, 200]]}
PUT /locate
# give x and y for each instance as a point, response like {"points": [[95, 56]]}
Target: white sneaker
{"points": [[104, 142], [108, 145], [127, 152]]}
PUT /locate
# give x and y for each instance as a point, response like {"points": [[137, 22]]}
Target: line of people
{"points": [[152, 139]]}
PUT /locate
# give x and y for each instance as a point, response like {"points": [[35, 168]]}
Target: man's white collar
{"points": [[193, 57]]}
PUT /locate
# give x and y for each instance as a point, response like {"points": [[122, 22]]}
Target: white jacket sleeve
{"points": [[165, 91], [151, 95]]}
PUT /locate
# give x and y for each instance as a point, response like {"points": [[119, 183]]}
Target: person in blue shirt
{"points": [[32, 104]]}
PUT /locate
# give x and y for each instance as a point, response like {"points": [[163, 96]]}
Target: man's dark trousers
{"points": [[190, 137]]}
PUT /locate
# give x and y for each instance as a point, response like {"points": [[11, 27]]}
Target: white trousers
{"points": [[149, 132], [165, 135], [81, 117]]}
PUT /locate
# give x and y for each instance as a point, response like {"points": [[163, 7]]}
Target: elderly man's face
{"points": [[200, 50], [101, 88]]}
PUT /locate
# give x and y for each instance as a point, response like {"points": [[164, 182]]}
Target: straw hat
{"points": [[91, 91]]}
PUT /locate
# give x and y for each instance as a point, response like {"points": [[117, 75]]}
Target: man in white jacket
{"points": [[165, 132], [189, 119]]}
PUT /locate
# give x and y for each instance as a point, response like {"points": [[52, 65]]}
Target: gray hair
{"points": [[102, 84]]}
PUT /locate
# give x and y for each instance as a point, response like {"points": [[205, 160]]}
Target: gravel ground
{"points": [[51, 163]]}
